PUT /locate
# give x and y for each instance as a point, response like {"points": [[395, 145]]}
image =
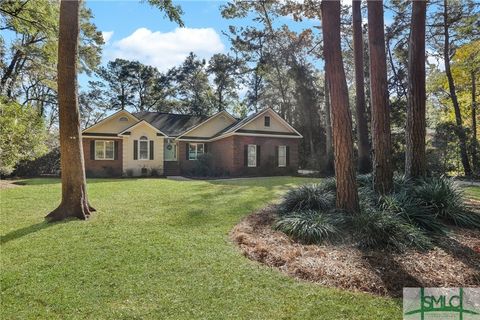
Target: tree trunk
{"points": [[364, 162], [328, 130], [347, 195], [475, 163], [462, 137], [415, 159], [74, 189], [381, 135]]}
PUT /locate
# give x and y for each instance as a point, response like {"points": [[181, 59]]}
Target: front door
{"points": [[170, 152]]}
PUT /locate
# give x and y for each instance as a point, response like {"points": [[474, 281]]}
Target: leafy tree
{"points": [[224, 70], [192, 88], [454, 25], [22, 135], [118, 86]]}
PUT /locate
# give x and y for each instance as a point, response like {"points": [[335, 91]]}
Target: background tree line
{"points": [[271, 63]]}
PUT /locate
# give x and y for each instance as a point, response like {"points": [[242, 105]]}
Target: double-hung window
{"points": [[143, 148], [252, 155], [282, 156], [104, 150], [195, 150]]}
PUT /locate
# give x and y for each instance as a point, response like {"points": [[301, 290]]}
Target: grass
{"points": [[473, 193], [156, 249]]}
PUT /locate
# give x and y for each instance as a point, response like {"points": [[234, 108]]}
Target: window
{"points": [[267, 121], [195, 150], [123, 119], [104, 150], [282, 156], [252, 155], [143, 148]]}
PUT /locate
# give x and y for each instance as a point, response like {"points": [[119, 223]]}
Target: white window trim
{"points": [[285, 156], [148, 149], [248, 156], [104, 150], [196, 150]]}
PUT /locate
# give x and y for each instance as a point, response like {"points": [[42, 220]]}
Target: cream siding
{"points": [[136, 165], [113, 124], [259, 124], [211, 127]]}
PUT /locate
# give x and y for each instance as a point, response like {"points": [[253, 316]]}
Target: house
{"points": [[149, 143]]}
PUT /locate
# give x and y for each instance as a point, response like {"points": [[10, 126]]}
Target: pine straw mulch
{"points": [[454, 262]]}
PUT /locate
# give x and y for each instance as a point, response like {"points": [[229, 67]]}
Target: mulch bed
{"points": [[454, 262]]}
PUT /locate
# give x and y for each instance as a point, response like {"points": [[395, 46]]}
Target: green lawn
{"points": [[473, 193], [155, 249]]}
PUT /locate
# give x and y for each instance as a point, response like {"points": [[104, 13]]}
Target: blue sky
{"points": [[136, 31]]}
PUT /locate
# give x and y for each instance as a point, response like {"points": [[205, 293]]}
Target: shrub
{"points": [[446, 200], [203, 166], [373, 228], [413, 211], [311, 226], [46, 164], [308, 197]]}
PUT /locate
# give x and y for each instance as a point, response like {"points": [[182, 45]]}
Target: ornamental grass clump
{"points": [[311, 227], [409, 217], [446, 200], [308, 197]]}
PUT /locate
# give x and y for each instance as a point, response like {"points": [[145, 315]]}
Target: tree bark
{"points": [[347, 194], [381, 135], [74, 189], [475, 162], [415, 159], [364, 162], [328, 130], [462, 137]]}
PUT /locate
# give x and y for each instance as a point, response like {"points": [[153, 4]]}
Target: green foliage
{"points": [[49, 163], [311, 226], [173, 12], [374, 228], [446, 200], [192, 88], [406, 218], [22, 135], [308, 197]]}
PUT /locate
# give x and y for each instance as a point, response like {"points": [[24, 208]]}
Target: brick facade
{"points": [[229, 156], [102, 168]]}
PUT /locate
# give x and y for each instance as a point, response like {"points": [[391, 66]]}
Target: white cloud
{"points": [[166, 49], [107, 35]]}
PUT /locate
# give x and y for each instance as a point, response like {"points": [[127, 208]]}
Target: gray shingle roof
{"points": [[171, 124]]}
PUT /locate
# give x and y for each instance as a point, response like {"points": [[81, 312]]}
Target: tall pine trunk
{"points": [[364, 162], [381, 135], [475, 162], [462, 137], [415, 159], [74, 189], [328, 130], [347, 194]]}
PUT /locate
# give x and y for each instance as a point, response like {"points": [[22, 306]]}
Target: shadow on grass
{"points": [[12, 235], [48, 181]]}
